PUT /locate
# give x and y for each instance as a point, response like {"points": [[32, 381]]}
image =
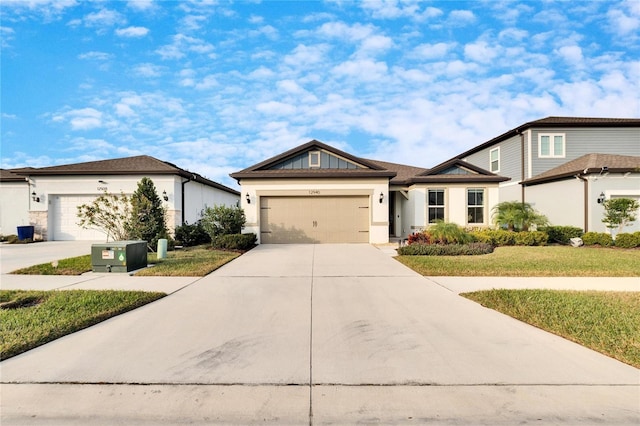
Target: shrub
{"points": [[500, 237], [446, 249], [531, 238], [628, 240], [192, 235], [234, 241], [448, 233], [562, 234], [481, 236], [599, 238], [11, 239], [222, 220], [420, 238]]}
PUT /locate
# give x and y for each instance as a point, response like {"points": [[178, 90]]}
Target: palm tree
{"points": [[517, 216]]}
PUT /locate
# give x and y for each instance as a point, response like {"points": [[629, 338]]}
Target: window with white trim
{"points": [[494, 160], [314, 158], [551, 145], [435, 205], [475, 205]]}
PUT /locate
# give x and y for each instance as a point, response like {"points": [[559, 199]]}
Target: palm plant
{"points": [[517, 216]]}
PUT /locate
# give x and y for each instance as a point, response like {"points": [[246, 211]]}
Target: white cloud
{"points": [[481, 51], [48, 9], [141, 5], [304, 55], [193, 22], [363, 70], [432, 51], [81, 119], [571, 54], [340, 30], [6, 36], [390, 9], [132, 32], [181, 45], [461, 17], [103, 18], [148, 70], [95, 56], [624, 18], [274, 108], [9, 116]]}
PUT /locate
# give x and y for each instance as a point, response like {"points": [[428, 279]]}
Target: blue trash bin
{"points": [[25, 233]]}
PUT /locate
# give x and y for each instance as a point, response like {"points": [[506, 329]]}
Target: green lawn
{"points": [[70, 266], [32, 318], [189, 262], [608, 322], [546, 261]]}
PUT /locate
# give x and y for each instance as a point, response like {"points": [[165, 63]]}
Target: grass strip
{"points": [[32, 318], [607, 322], [549, 261], [69, 266], [189, 262]]}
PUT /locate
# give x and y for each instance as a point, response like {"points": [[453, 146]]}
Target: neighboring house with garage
{"points": [[315, 193], [54, 193], [14, 202], [566, 166]]}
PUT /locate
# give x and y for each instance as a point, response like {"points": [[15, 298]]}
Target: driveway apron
{"points": [[323, 334]]}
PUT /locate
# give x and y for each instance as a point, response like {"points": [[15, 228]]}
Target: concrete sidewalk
{"points": [[316, 334]]}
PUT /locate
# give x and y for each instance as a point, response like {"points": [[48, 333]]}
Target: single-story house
{"points": [[14, 202], [315, 193], [54, 193]]}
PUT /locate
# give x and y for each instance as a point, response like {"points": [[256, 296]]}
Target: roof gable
{"points": [[299, 163], [457, 170]]}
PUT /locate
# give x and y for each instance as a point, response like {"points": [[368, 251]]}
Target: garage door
{"points": [[64, 209], [314, 220]]}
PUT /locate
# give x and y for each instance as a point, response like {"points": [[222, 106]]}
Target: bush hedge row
{"points": [[562, 234], [446, 249], [501, 237], [628, 240], [234, 241]]}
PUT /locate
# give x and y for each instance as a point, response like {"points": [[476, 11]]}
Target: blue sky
{"points": [[216, 86]]}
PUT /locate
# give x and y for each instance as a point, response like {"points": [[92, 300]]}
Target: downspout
{"points": [[586, 200], [184, 182]]}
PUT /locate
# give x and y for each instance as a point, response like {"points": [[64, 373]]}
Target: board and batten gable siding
{"points": [[581, 141], [510, 159]]}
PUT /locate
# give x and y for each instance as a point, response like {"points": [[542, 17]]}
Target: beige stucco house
{"points": [[315, 193]]}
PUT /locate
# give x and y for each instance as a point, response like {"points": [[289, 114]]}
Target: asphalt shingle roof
{"points": [[589, 163], [138, 165]]}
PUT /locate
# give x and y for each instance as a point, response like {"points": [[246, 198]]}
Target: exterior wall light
{"points": [[248, 198], [381, 197], [165, 196], [601, 198], [34, 197]]}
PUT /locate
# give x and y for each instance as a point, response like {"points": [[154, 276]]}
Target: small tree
{"points": [[108, 213], [147, 220], [223, 220], [517, 216], [620, 212]]}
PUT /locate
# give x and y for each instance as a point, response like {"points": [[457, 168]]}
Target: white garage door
{"points": [[64, 227], [314, 219]]}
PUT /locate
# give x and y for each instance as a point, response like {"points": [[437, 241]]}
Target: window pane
{"points": [[544, 145], [436, 213], [557, 145], [436, 197]]}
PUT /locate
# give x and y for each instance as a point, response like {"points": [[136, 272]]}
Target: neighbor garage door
{"points": [[64, 209], [314, 219]]}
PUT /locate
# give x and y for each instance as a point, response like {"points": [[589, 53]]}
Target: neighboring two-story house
{"points": [[566, 166]]}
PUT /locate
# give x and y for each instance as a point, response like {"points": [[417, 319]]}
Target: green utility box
{"points": [[119, 256]]}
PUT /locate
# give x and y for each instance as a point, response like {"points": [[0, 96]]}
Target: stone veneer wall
{"points": [[39, 220]]}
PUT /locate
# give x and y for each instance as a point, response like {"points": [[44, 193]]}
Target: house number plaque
{"points": [[314, 192]]}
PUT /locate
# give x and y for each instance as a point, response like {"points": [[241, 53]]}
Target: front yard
{"points": [[523, 261]]}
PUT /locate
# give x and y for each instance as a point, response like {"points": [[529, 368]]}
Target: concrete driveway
{"points": [[316, 334], [16, 256]]}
